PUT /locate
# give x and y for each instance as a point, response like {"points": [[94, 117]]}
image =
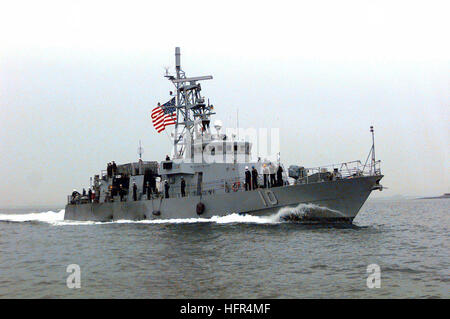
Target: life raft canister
{"points": [[200, 208], [236, 186]]}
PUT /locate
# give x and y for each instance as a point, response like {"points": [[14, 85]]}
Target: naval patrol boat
{"points": [[206, 176]]}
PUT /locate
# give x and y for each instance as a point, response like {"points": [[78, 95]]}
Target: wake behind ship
{"points": [[211, 173]]}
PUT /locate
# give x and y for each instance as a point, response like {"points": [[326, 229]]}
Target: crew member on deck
{"points": [[134, 191], [183, 187], [114, 168], [248, 179], [272, 174], [280, 175], [254, 178], [266, 175], [166, 189], [75, 195], [97, 195], [336, 174], [152, 183], [90, 195], [167, 158], [121, 192], [149, 191]]}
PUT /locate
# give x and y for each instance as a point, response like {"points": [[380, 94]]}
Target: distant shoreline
{"points": [[402, 198], [446, 195]]}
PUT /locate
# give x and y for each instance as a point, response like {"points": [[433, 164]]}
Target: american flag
{"points": [[164, 115]]}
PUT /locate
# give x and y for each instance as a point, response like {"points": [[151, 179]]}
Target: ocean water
{"points": [[230, 257]]}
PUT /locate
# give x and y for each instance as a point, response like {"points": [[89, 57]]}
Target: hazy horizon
{"points": [[78, 82]]}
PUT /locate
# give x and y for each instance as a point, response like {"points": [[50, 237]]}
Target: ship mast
{"points": [[189, 103]]}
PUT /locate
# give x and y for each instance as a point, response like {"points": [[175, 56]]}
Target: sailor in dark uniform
{"points": [[279, 176], [114, 168], [109, 169], [166, 189], [121, 193], [152, 183], [183, 187], [254, 178], [75, 196], [149, 190], [134, 192], [248, 179]]}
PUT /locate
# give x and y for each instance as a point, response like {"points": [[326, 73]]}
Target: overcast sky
{"points": [[78, 80]]}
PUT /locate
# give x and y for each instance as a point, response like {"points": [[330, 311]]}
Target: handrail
{"points": [[347, 169]]}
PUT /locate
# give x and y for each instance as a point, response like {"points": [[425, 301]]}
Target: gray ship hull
{"points": [[338, 200]]}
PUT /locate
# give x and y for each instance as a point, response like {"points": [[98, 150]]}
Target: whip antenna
{"points": [[140, 150]]}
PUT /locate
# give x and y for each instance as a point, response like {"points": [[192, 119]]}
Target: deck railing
{"points": [[347, 169]]}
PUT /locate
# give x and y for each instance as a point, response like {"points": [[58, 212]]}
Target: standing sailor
{"points": [[248, 179], [280, 175], [266, 175], [183, 187], [152, 183], [149, 190], [109, 170], [114, 168], [134, 191], [75, 195], [166, 188], [121, 192], [254, 178], [272, 174], [90, 195]]}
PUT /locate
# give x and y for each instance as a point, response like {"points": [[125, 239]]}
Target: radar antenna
{"points": [[166, 68]]}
